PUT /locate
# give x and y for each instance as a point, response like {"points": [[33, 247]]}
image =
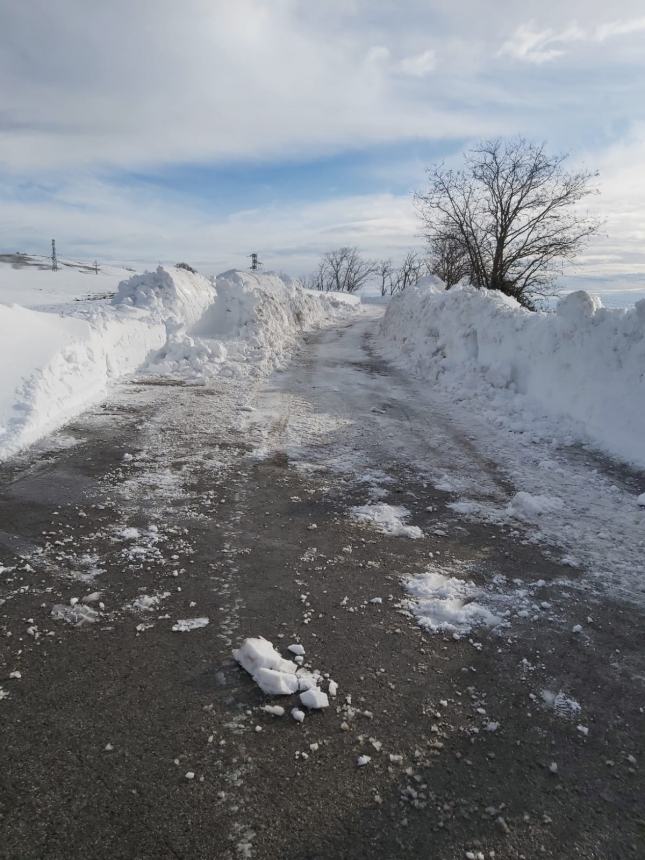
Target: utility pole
{"points": [[54, 258], [96, 266], [255, 263]]}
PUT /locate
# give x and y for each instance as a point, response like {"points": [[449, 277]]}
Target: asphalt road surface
{"points": [[122, 738]]}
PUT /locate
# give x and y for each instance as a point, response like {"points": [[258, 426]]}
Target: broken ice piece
{"points": [[257, 653], [362, 760], [376, 600], [298, 715], [306, 681], [314, 699], [333, 688], [276, 683], [274, 710], [296, 649]]}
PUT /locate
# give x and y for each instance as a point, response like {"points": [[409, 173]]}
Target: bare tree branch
{"points": [[512, 212]]}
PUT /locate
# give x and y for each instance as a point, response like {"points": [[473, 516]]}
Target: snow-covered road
{"points": [[343, 407], [489, 694]]}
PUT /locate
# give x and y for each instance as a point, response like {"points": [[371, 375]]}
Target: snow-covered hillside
{"points": [[28, 280], [58, 362], [573, 375]]}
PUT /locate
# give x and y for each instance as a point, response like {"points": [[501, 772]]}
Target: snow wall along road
{"points": [[573, 375], [55, 365]]}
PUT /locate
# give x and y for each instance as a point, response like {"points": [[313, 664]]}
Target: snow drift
{"points": [[56, 364], [250, 329], [576, 374]]}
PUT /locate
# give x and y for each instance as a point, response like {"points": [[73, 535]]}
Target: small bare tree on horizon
{"points": [[342, 270], [384, 276], [513, 211], [412, 268]]}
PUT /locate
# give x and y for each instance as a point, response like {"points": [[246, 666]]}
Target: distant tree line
{"points": [[506, 220]]}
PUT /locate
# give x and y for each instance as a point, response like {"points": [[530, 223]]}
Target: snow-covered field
{"points": [[29, 281], [575, 375], [60, 354]]}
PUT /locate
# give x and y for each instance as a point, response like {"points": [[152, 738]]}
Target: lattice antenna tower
{"points": [[54, 257], [255, 263]]}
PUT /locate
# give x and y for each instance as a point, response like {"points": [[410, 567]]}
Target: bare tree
{"points": [[449, 259], [343, 270], [384, 273], [514, 209], [407, 275]]}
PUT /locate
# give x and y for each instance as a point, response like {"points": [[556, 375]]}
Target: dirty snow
{"points": [[389, 519], [445, 603]]}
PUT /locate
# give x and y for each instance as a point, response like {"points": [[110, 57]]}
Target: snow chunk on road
{"points": [[445, 603], [641, 500], [389, 519], [314, 699], [525, 506], [271, 672], [185, 625], [275, 683], [258, 653], [274, 710], [297, 649]]}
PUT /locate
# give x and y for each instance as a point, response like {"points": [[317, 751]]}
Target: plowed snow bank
{"points": [[170, 321], [577, 374]]}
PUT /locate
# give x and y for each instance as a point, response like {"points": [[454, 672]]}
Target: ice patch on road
{"points": [[445, 603], [185, 625], [77, 615], [445, 599], [388, 519], [147, 602], [563, 705]]}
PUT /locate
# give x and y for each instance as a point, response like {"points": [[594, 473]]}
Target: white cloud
{"points": [[540, 46], [157, 82], [419, 65]]}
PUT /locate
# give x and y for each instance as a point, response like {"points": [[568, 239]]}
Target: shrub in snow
{"points": [[576, 373]]}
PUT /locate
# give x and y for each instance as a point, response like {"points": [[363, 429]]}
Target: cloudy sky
{"points": [[148, 130]]}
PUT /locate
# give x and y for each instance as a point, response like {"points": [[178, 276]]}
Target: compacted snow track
{"points": [[490, 683]]}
